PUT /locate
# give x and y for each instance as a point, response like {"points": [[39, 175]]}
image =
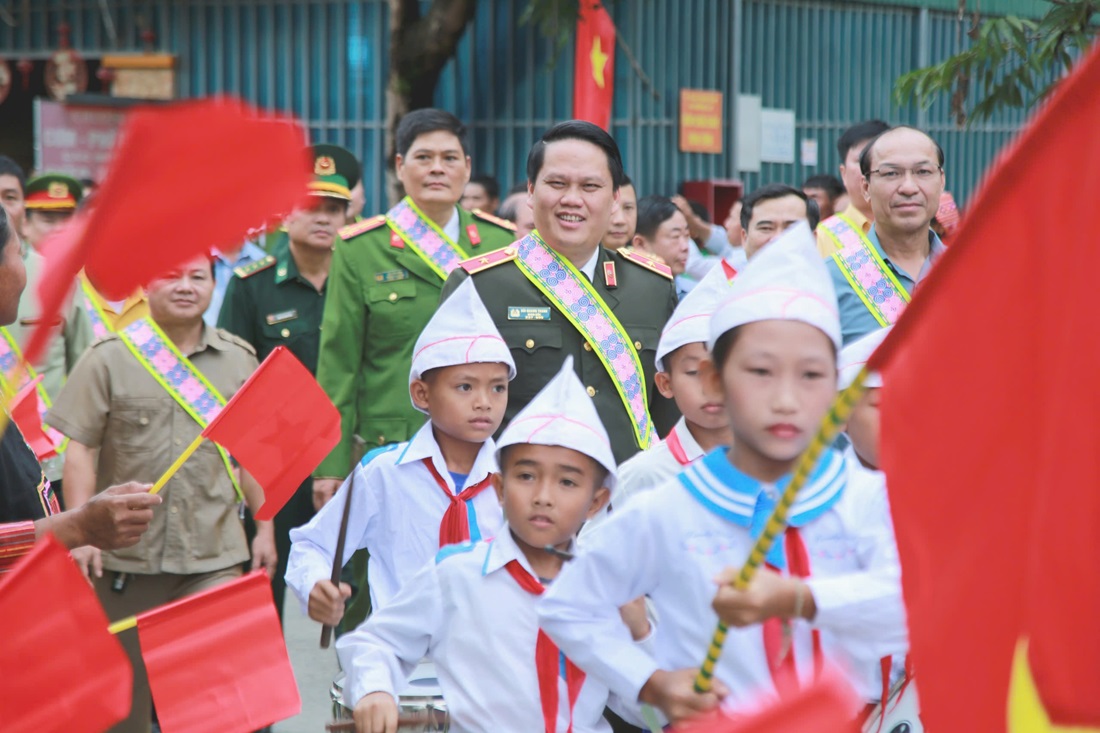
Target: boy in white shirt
{"points": [[834, 591], [472, 610], [862, 427], [410, 499]]}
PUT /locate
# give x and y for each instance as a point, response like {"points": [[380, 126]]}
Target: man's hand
{"points": [[769, 595], [264, 554], [323, 491], [90, 561], [376, 713], [636, 619], [117, 517], [698, 228], [326, 602], [674, 693]]}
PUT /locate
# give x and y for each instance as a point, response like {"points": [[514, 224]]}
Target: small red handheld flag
{"points": [[280, 425], [26, 411], [183, 178], [829, 705], [217, 660], [990, 422], [55, 630], [594, 64]]}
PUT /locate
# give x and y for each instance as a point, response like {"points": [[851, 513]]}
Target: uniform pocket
{"points": [[393, 308], [536, 348], [134, 422]]}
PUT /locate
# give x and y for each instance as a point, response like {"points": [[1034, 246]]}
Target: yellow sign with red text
{"points": [[700, 121]]}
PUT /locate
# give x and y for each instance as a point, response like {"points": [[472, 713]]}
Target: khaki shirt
{"points": [[112, 403]]}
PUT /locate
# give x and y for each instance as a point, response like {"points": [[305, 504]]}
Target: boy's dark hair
{"points": [[601, 472], [865, 156], [578, 130], [831, 185], [490, 184], [422, 121], [9, 167], [771, 191], [653, 211], [858, 133]]}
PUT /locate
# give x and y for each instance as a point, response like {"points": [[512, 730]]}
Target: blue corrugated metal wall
{"points": [[834, 63]]}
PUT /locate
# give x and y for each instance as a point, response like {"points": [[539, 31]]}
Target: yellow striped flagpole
{"points": [[830, 427]]}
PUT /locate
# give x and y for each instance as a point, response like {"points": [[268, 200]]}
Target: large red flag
{"points": [[990, 426], [594, 64], [827, 706], [61, 671], [183, 178], [279, 426], [217, 661]]}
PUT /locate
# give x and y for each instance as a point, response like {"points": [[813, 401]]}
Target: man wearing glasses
{"points": [[875, 273]]}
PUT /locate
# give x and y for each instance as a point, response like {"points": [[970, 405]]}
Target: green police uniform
{"points": [[381, 295], [638, 290], [268, 303]]}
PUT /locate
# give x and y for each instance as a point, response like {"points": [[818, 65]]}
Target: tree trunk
{"points": [[420, 46]]}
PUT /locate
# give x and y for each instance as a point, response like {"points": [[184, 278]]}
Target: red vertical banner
{"points": [[594, 66]]}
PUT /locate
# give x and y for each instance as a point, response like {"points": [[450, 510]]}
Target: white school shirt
{"points": [[668, 545], [396, 510], [466, 613], [648, 470]]}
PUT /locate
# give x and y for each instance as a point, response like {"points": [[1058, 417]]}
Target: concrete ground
{"points": [[314, 669]]}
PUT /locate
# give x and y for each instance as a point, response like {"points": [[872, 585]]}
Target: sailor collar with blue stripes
{"points": [[732, 495]]}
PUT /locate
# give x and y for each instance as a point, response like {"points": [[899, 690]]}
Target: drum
{"points": [[900, 713], [420, 704]]}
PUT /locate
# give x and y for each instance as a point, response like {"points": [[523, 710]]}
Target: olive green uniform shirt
{"points": [[269, 303], [381, 294], [540, 338], [112, 403]]}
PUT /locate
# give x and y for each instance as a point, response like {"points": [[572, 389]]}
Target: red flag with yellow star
{"points": [[990, 426], [279, 425], [594, 66]]}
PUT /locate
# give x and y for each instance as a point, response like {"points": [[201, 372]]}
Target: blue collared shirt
{"points": [[223, 273], [855, 319]]}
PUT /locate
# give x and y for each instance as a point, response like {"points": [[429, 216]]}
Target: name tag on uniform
{"points": [[273, 318], [391, 276], [525, 313]]}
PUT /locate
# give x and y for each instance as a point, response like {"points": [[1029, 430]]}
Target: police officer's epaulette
{"points": [[354, 230], [253, 267], [489, 259], [502, 223], [650, 263]]}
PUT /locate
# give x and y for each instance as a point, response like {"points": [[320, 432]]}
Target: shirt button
{"points": [[530, 343], [638, 345], [393, 297], [175, 510], [143, 420], [591, 391], [381, 440], [587, 346], [177, 441], [285, 332]]}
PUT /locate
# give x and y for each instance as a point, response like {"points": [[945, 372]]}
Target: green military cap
{"points": [[53, 192], [335, 172]]}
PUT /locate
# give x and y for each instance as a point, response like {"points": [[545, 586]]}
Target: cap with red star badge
{"points": [[53, 192], [335, 172]]}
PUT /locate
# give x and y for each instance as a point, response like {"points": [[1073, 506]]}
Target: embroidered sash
{"points": [[10, 356], [864, 269], [94, 310], [425, 238], [179, 377], [573, 295]]}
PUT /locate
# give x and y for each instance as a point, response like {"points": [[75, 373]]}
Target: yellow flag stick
{"points": [[176, 466], [130, 622], [830, 427]]}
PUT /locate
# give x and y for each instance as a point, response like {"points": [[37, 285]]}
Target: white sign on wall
{"points": [[777, 135], [748, 133]]}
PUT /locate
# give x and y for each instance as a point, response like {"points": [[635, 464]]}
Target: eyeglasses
{"points": [[923, 174]]}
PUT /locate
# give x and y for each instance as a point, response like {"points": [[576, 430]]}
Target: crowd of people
{"points": [[566, 414]]}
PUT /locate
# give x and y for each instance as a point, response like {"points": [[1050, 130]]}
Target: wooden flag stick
{"points": [[830, 427], [176, 465], [338, 558]]}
